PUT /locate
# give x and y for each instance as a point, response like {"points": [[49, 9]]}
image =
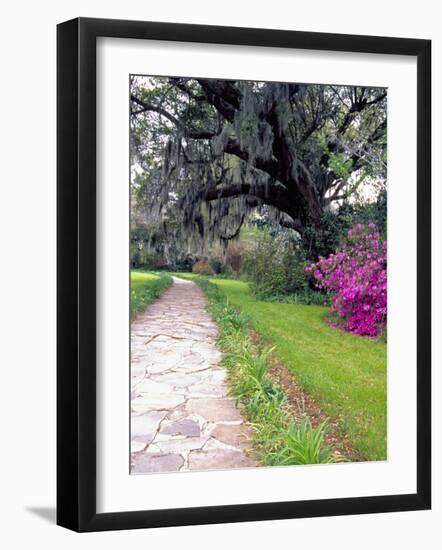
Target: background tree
{"points": [[206, 154]]}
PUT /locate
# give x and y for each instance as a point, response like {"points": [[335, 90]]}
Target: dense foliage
{"points": [[274, 264], [218, 264], [336, 223], [356, 275], [151, 248]]}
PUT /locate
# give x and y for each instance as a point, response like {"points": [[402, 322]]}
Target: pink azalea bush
{"points": [[356, 277]]}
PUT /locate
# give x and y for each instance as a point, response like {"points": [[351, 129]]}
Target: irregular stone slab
{"points": [[181, 445], [216, 376], [207, 350], [186, 367], [219, 459], [186, 427], [136, 446], [160, 363], [152, 401], [146, 423], [177, 413], [149, 386], [160, 436], [145, 427], [153, 449], [207, 390], [231, 435], [202, 422], [214, 409], [176, 380], [143, 463], [159, 367], [137, 369]]}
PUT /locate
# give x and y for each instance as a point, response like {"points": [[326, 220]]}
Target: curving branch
{"points": [[235, 233], [190, 134]]}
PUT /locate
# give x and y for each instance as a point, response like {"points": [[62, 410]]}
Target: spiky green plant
{"points": [[303, 444]]}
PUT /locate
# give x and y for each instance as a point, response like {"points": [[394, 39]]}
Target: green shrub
{"points": [[306, 297], [140, 258], [218, 265], [325, 238], [274, 264]]}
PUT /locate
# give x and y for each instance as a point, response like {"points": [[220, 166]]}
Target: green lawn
{"points": [[145, 287], [346, 374]]}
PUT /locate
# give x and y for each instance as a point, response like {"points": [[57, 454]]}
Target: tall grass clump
{"points": [[304, 444]]}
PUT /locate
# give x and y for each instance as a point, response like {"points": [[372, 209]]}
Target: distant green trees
{"points": [[274, 264]]}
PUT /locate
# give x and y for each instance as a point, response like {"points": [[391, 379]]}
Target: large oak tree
{"points": [[208, 153]]}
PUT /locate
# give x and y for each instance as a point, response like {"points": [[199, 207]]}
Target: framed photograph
{"points": [[243, 274]]}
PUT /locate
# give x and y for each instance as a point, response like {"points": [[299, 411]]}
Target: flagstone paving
{"points": [[182, 417]]}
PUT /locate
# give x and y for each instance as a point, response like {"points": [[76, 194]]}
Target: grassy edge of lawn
{"points": [[348, 380], [145, 287], [344, 373], [278, 438]]}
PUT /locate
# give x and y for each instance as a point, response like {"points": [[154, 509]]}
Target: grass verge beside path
{"points": [[346, 374], [145, 287], [278, 438]]}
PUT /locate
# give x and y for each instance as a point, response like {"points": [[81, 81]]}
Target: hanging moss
{"points": [[175, 172]]}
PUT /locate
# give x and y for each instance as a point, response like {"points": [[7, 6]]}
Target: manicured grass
{"points": [[145, 287], [346, 374]]}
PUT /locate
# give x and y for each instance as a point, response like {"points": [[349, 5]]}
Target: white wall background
{"points": [[27, 272]]}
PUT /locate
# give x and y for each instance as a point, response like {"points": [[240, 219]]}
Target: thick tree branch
{"points": [[235, 233], [224, 89], [272, 194], [358, 105], [277, 196], [150, 107], [269, 166], [190, 134], [359, 158], [223, 95], [181, 85], [294, 224], [377, 99]]}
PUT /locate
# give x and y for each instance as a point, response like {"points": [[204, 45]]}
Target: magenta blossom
{"points": [[356, 277]]}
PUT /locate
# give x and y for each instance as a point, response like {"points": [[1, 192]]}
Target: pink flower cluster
{"points": [[356, 276]]}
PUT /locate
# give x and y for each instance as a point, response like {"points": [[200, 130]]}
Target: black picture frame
{"points": [[76, 274]]}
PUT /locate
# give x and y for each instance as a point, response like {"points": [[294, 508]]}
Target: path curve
{"points": [[181, 415]]}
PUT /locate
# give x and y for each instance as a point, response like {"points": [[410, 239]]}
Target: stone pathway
{"points": [[181, 415]]}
